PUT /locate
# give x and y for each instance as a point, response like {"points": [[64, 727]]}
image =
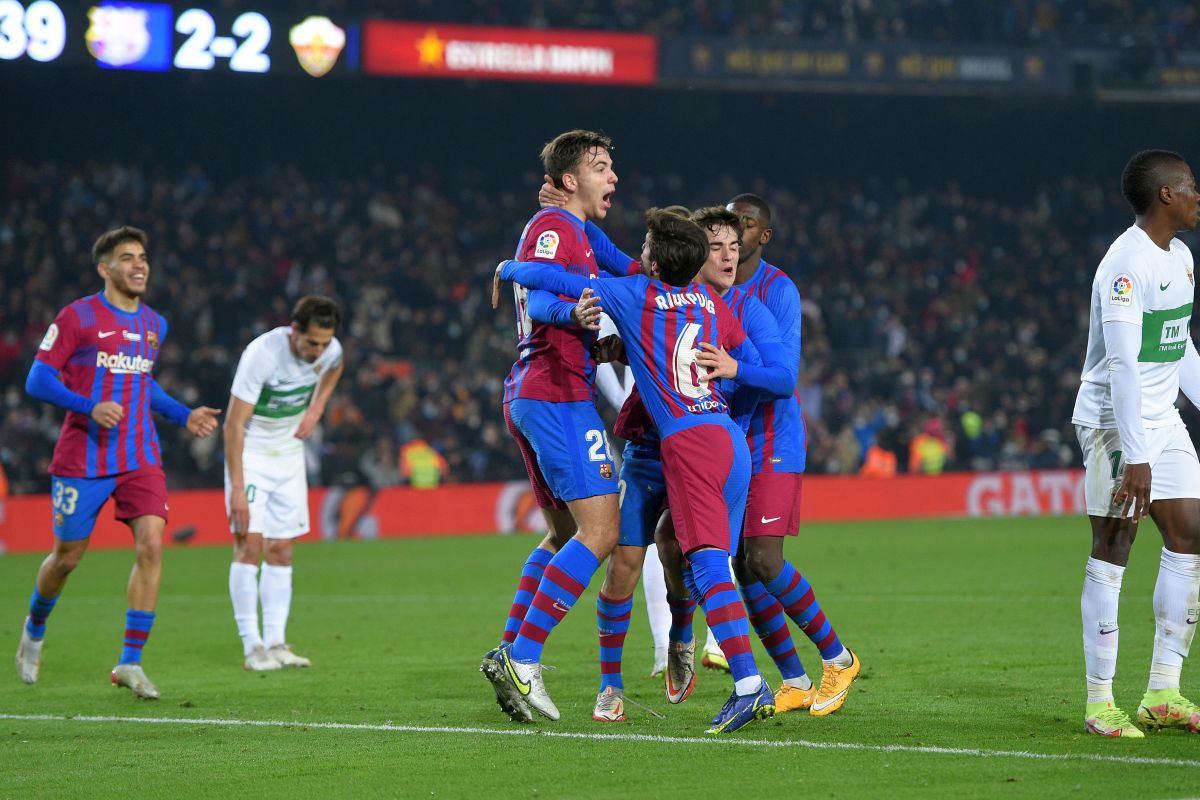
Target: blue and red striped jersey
{"points": [[554, 363], [662, 327], [776, 435], [104, 353]]}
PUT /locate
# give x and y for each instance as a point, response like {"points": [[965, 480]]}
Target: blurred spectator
{"points": [[929, 450], [879, 463], [421, 465]]}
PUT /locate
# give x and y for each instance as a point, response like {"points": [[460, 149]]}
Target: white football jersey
{"points": [[1140, 283], [280, 386]]}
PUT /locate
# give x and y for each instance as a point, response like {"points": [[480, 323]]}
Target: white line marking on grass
{"points": [[623, 737]]}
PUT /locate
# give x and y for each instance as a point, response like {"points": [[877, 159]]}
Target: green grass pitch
{"points": [[968, 632]]}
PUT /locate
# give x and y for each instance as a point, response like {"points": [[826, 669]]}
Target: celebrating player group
{"points": [[715, 455]]}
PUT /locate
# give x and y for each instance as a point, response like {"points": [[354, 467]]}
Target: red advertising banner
{"points": [[198, 516], [460, 51]]}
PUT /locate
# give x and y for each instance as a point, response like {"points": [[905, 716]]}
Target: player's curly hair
{"points": [[713, 218], [677, 245], [102, 250], [318, 310], [1144, 175], [564, 152]]}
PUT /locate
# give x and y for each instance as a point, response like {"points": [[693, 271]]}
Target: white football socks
{"points": [[654, 586], [275, 590], [1101, 596], [1175, 613], [243, 591]]}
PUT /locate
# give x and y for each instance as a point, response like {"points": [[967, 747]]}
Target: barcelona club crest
{"points": [[152, 340], [606, 471]]}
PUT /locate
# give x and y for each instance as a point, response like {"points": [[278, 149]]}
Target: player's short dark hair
{"points": [[677, 245], [713, 218], [1144, 175], [564, 152], [682, 211], [316, 310], [749, 199], [102, 250]]}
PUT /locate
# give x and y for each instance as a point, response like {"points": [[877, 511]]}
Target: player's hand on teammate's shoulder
{"points": [[718, 362], [549, 196], [608, 350], [107, 414], [202, 421], [587, 311]]}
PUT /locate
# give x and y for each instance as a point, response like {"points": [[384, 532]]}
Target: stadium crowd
{"points": [[941, 328], [1171, 24]]}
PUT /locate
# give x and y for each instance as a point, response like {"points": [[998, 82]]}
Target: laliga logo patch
{"points": [[547, 245], [1122, 291], [50, 338], [118, 36], [318, 43]]}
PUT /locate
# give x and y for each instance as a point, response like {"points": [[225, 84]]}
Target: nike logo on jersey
{"points": [[1190, 621], [772, 519], [827, 703], [587, 253], [1107, 632], [1162, 287], [106, 334]]}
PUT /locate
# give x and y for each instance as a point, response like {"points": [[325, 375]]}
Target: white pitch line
{"points": [[625, 737]]}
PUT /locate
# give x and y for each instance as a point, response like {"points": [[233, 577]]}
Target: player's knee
{"points": [[63, 563], [764, 564]]}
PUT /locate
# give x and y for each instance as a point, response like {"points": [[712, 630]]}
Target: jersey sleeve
{"points": [[1124, 284], [609, 257], [783, 303], [548, 240], [61, 339], [729, 330], [544, 276], [253, 370]]}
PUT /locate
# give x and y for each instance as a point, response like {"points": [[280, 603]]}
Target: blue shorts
{"points": [[570, 444], [77, 501], [643, 495]]}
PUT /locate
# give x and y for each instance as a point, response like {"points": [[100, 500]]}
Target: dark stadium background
{"points": [[969, 218]]}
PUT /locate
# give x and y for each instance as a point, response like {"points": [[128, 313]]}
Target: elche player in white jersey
{"points": [[284, 380], [1138, 456]]}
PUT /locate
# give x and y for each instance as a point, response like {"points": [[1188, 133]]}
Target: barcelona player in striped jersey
{"points": [[777, 449], [662, 317], [643, 493], [95, 361], [550, 410]]}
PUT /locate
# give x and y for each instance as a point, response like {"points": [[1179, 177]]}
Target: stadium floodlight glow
{"points": [[318, 43], [39, 31]]}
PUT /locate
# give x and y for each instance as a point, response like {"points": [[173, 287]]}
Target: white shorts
{"points": [[1174, 469], [277, 491]]}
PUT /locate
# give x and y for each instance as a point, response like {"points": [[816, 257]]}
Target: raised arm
{"points": [[541, 276], [609, 257]]}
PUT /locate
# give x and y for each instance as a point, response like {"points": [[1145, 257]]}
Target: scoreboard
{"points": [[157, 37]]}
